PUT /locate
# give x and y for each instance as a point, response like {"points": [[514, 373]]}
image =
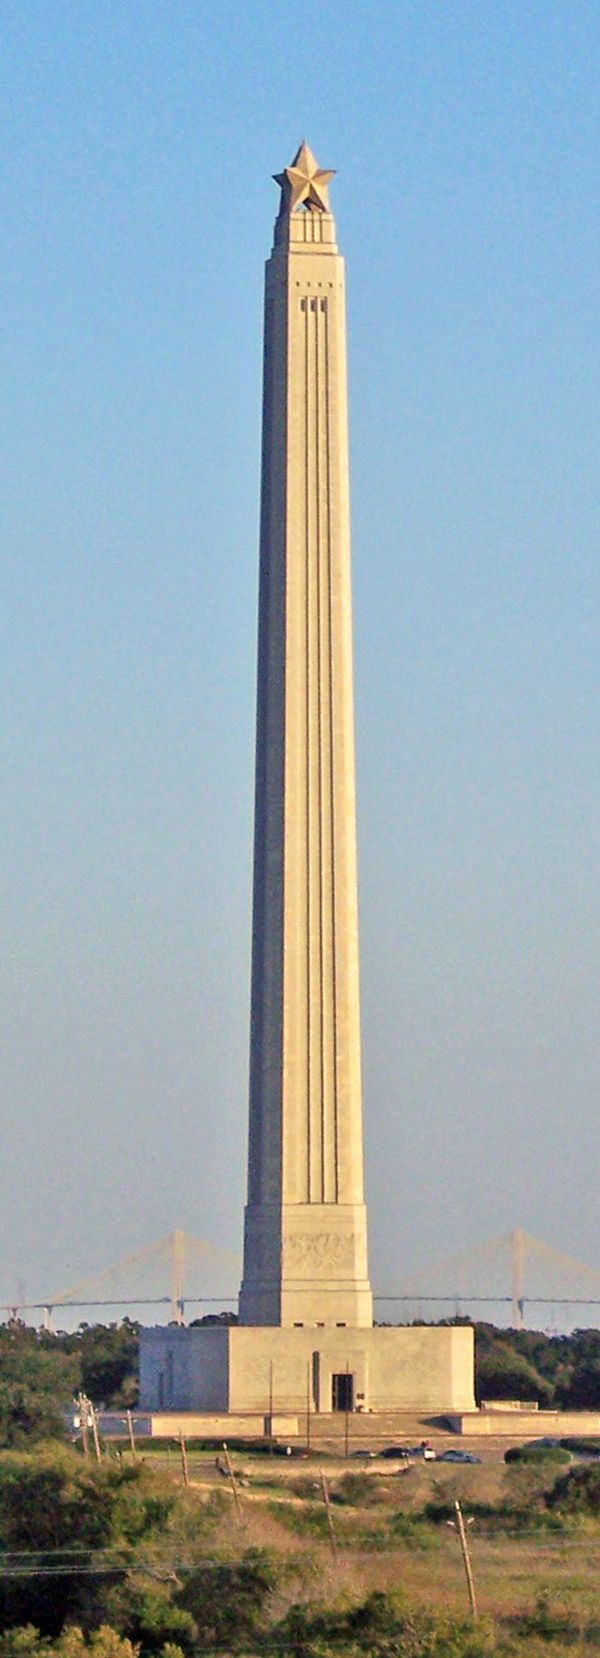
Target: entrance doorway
{"points": [[342, 1391]]}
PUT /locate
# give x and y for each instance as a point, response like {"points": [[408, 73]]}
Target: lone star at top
{"points": [[305, 182]]}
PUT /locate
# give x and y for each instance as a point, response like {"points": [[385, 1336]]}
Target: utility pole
{"points": [[271, 1445], [95, 1435], [327, 1502], [232, 1480], [184, 1458], [461, 1529], [84, 1422], [130, 1431]]}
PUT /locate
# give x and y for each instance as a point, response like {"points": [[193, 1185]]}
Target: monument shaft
{"points": [[305, 1289], [305, 1250]]}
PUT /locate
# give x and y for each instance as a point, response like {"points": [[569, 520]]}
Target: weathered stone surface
{"points": [[305, 1252], [242, 1370]]}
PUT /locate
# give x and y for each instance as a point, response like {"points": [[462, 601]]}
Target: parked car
{"points": [[366, 1455], [458, 1456], [398, 1452], [424, 1450]]}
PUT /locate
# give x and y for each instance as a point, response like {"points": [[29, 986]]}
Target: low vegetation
{"points": [[119, 1559], [538, 1453]]}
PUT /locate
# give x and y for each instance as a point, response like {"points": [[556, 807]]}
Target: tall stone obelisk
{"points": [[305, 1248], [305, 1340]]}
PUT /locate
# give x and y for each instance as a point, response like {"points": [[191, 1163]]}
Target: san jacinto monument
{"points": [[305, 1305]]}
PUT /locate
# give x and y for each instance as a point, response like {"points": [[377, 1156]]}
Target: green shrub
{"points": [[583, 1446], [382, 1626], [56, 1504], [413, 1530], [537, 1453], [227, 1600], [55, 1501], [577, 1492], [103, 1643], [359, 1490], [503, 1373], [549, 1622], [151, 1621], [307, 1487], [582, 1391], [109, 1359], [438, 1511], [36, 1380], [310, 1520], [51, 1502], [26, 1642]]}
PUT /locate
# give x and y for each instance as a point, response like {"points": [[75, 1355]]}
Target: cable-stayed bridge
{"points": [[178, 1274], [514, 1279]]}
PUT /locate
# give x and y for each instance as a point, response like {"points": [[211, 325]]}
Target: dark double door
{"points": [[342, 1391]]}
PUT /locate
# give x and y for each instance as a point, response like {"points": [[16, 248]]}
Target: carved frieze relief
{"points": [[318, 1249]]}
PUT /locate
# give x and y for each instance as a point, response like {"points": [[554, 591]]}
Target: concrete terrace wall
{"points": [[529, 1424]]}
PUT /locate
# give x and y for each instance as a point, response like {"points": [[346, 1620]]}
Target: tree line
{"points": [[42, 1371]]}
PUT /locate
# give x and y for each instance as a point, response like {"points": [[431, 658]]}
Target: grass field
{"points": [[535, 1572]]}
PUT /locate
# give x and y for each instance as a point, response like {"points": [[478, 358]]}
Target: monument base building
{"points": [[305, 1338], [246, 1371]]}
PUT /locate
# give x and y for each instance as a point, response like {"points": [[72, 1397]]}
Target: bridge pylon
{"points": [[517, 1243]]}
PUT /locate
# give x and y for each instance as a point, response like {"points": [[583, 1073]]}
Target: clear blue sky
{"points": [[136, 214]]}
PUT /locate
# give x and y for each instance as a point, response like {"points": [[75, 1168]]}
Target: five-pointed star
{"points": [[305, 182]]}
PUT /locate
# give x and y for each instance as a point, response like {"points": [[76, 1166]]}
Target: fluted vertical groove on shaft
{"points": [[319, 875], [335, 1149]]}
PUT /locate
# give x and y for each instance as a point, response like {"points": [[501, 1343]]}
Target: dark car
{"points": [[399, 1452]]}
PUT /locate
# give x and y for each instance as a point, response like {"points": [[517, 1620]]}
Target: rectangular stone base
{"points": [[532, 1423], [171, 1424], [215, 1368]]}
